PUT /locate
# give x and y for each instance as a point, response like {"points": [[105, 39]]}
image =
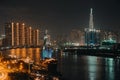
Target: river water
{"points": [[77, 67]]}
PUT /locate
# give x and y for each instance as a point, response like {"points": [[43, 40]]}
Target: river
{"points": [[77, 67]]}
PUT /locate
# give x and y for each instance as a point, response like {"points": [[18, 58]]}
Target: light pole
{"points": [[28, 59], [29, 67], [29, 64]]}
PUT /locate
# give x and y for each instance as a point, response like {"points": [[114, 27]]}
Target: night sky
{"points": [[60, 16]]}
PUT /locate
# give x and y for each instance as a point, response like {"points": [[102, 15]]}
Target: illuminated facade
{"points": [[92, 36], [47, 40], [17, 40], [18, 35], [36, 37], [9, 35], [22, 34]]}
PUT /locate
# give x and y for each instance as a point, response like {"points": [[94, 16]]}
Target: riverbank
{"points": [[94, 52]]}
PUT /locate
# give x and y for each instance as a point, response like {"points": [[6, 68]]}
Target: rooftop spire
{"points": [[91, 26], [91, 10]]}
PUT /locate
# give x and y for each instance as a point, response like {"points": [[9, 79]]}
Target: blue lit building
{"points": [[47, 51], [92, 35]]}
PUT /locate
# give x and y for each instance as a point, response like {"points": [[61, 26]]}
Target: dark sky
{"points": [[60, 16]]}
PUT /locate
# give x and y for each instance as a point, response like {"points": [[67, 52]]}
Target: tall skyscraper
{"points": [[92, 36], [91, 25], [22, 35], [18, 35], [9, 35], [47, 38]]}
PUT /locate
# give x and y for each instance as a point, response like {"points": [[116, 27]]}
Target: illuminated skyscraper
{"points": [[9, 35], [91, 25], [92, 36], [18, 35], [47, 38], [22, 34], [36, 37]]}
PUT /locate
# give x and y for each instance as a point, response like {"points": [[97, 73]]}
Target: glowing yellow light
{"points": [[23, 24], [21, 66], [17, 23]]}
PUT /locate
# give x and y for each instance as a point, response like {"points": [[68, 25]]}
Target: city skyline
{"points": [[61, 16], [20, 35]]}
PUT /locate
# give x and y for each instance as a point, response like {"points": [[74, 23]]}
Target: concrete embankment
{"points": [[94, 52]]}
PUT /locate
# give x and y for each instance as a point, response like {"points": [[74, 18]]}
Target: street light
{"points": [[29, 63]]}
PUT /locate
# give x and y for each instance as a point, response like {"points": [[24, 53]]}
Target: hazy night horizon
{"points": [[59, 40], [61, 16]]}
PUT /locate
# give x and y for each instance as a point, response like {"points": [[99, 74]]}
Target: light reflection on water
{"points": [[93, 68], [110, 68], [81, 67], [77, 67], [33, 53]]}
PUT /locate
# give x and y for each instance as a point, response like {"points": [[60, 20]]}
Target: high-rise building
{"points": [[92, 35], [18, 35], [22, 34], [9, 35], [47, 40]]}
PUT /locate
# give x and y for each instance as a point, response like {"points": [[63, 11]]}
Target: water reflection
{"points": [[81, 67], [77, 67], [75, 58], [33, 53], [23, 52], [92, 68], [110, 68]]}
